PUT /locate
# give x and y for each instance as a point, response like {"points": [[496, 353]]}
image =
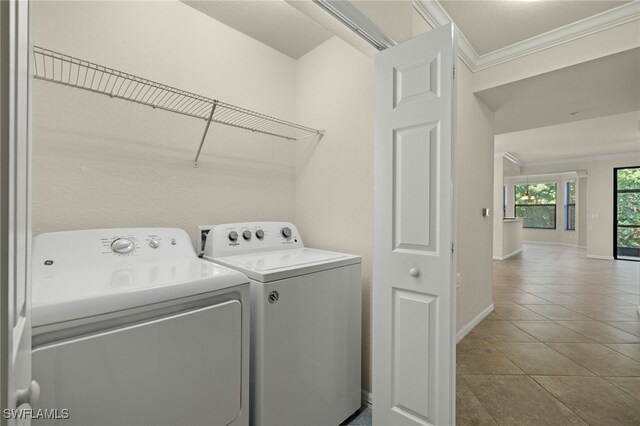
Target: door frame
{"points": [[17, 390]]}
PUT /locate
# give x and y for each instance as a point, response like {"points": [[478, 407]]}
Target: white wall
{"points": [[334, 191], [498, 201], [599, 215], [503, 167], [581, 219], [475, 190], [101, 162]]}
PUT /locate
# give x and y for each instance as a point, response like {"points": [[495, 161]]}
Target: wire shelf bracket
{"points": [[67, 70]]}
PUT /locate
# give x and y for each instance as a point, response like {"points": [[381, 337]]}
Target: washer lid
{"points": [[277, 265]]}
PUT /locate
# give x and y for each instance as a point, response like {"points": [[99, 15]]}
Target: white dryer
{"points": [[305, 322], [131, 328]]}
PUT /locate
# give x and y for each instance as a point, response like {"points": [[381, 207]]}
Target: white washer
{"points": [[305, 322], [131, 328]]}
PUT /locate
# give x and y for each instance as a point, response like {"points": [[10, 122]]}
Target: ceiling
{"points": [[272, 22], [490, 25], [604, 86], [613, 134], [532, 116]]}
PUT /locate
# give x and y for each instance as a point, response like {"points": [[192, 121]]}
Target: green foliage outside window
{"points": [[629, 207], [539, 212]]}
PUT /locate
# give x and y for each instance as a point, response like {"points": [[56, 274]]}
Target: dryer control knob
{"points": [[246, 235], [260, 234], [154, 243], [233, 236], [122, 246], [286, 232]]}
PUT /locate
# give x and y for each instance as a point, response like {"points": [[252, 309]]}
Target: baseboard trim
{"points": [[550, 243], [506, 256], [475, 321], [595, 256], [366, 398]]}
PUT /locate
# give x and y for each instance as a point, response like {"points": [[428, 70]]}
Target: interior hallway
{"points": [[562, 346]]}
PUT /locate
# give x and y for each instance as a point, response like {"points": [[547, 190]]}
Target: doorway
{"points": [[626, 213]]}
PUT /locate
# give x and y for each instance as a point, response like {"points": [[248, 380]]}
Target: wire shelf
{"points": [[63, 69]]}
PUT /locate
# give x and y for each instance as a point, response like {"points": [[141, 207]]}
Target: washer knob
{"points": [[122, 246], [286, 232], [233, 236], [260, 234], [153, 243], [246, 235]]}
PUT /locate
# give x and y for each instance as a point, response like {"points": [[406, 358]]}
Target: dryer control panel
{"points": [[247, 237], [100, 247]]}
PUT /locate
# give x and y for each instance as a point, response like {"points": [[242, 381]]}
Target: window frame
{"points": [[567, 204], [616, 191], [555, 205]]}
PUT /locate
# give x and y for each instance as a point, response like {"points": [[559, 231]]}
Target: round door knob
{"points": [[29, 395], [246, 235], [260, 234], [233, 236], [122, 246], [286, 232], [414, 272]]}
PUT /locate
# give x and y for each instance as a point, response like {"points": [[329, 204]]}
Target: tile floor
{"points": [[561, 348]]}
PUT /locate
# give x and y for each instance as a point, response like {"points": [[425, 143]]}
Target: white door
{"points": [[413, 291], [17, 389]]}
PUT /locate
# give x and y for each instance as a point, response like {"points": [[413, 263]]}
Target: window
{"points": [[626, 209], [536, 203], [570, 205]]}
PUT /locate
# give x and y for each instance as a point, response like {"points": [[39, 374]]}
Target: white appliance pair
{"points": [[131, 328]]}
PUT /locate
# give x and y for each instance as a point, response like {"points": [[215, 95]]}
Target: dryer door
{"points": [[182, 369]]}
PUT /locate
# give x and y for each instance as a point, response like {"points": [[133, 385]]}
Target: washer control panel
{"points": [[247, 237]]}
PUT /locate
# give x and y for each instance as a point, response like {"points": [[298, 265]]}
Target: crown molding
{"points": [[433, 13], [603, 21], [559, 175], [509, 156], [635, 154]]}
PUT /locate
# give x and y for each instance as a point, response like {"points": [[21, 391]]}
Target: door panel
{"points": [[413, 356], [415, 156], [417, 80], [413, 293]]}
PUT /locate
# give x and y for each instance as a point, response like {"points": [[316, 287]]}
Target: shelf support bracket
{"points": [[206, 129]]}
